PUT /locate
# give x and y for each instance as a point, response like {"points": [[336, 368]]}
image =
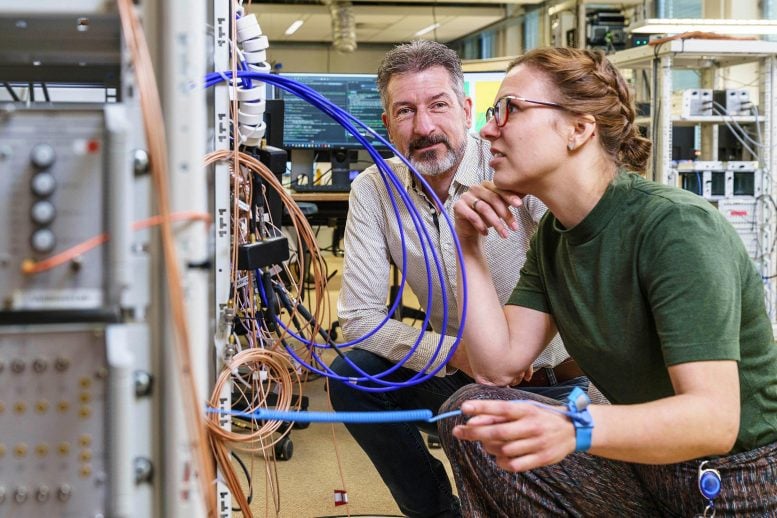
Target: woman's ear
{"points": [[583, 129]]}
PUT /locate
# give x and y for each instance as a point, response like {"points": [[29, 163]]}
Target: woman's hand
{"points": [[484, 206], [520, 436]]}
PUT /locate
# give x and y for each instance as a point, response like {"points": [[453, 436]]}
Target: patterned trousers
{"points": [[588, 486]]}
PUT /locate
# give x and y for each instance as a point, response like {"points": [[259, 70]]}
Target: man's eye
{"points": [[403, 113]]}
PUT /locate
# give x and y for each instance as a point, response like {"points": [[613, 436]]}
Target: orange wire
{"points": [[153, 124], [30, 267]]}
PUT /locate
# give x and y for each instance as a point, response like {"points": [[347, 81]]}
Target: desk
{"points": [[332, 212]]}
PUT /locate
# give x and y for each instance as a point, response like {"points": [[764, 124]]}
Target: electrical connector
{"points": [[252, 256]]}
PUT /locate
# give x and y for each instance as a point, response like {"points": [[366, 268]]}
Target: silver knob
{"points": [[42, 212], [64, 492], [20, 494], [43, 184], [42, 494], [42, 156], [43, 240]]}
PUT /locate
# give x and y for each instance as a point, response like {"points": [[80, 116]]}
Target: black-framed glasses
{"points": [[501, 108]]}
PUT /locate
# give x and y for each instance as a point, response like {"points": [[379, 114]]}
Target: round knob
{"points": [[20, 494], [43, 184], [42, 494], [43, 240], [42, 212], [42, 156], [64, 492]]}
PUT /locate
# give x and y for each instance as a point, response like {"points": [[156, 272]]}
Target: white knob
{"points": [[43, 240], [43, 184], [42, 156], [42, 212]]}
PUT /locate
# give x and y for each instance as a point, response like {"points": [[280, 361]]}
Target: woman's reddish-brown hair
{"points": [[586, 82]]}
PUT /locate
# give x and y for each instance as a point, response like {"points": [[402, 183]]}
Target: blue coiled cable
{"points": [[389, 179]]}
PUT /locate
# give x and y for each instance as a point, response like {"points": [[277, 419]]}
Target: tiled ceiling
{"points": [[377, 22]]}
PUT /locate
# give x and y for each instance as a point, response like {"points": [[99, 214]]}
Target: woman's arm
{"points": [[701, 420], [501, 342]]}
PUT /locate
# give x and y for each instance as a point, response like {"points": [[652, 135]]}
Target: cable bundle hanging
{"points": [[394, 187]]}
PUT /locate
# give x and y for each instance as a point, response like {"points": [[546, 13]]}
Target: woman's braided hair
{"points": [[588, 83]]}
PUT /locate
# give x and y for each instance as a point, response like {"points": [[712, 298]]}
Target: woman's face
{"points": [[532, 143]]}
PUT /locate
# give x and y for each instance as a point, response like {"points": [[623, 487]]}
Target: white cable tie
{"points": [[260, 56], [256, 92], [249, 119], [240, 54], [253, 107], [254, 44], [259, 67], [247, 21], [225, 77], [248, 29], [253, 131]]}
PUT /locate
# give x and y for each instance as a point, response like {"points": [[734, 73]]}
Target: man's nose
{"points": [[424, 123]]}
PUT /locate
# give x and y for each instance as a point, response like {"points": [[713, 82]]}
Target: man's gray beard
{"points": [[441, 166]]}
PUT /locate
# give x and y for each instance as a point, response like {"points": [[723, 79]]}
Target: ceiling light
{"points": [[293, 27], [680, 25], [429, 28]]}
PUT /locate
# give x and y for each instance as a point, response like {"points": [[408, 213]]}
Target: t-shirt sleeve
{"points": [[691, 276]]}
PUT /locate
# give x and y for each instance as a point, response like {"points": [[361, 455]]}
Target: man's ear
{"points": [[468, 111], [384, 118]]}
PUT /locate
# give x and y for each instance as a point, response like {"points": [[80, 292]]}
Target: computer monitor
{"points": [[312, 136], [306, 127]]}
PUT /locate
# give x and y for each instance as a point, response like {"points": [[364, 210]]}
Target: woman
{"points": [[654, 295]]}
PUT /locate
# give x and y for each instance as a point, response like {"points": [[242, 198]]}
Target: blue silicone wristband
{"points": [[577, 405]]}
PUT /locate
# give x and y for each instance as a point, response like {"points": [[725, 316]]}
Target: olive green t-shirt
{"points": [[655, 276]]}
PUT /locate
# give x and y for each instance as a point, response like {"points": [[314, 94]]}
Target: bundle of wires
{"points": [[394, 186]]}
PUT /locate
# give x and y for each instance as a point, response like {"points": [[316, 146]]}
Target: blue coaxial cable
{"points": [[389, 179]]}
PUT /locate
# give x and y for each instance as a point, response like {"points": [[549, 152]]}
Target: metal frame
{"points": [[709, 56]]}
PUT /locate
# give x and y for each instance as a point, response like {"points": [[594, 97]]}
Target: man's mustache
{"points": [[423, 142]]}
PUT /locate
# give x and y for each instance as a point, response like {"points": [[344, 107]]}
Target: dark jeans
{"points": [[417, 480]]}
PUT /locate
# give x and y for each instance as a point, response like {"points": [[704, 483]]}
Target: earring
{"points": [[570, 146]]}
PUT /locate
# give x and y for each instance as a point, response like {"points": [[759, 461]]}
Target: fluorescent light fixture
{"points": [[680, 25], [429, 28], [295, 25]]}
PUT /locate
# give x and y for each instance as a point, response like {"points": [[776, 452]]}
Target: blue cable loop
{"points": [[389, 179], [305, 91]]}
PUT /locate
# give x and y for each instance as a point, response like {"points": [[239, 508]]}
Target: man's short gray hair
{"points": [[418, 56]]}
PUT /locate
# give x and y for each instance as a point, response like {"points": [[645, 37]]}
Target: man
{"points": [[427, 117]]}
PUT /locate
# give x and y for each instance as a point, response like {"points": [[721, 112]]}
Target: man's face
{"points": [[426, 121]]}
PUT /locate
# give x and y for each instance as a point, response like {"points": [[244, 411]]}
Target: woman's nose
{"points": [[490, 131]]}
